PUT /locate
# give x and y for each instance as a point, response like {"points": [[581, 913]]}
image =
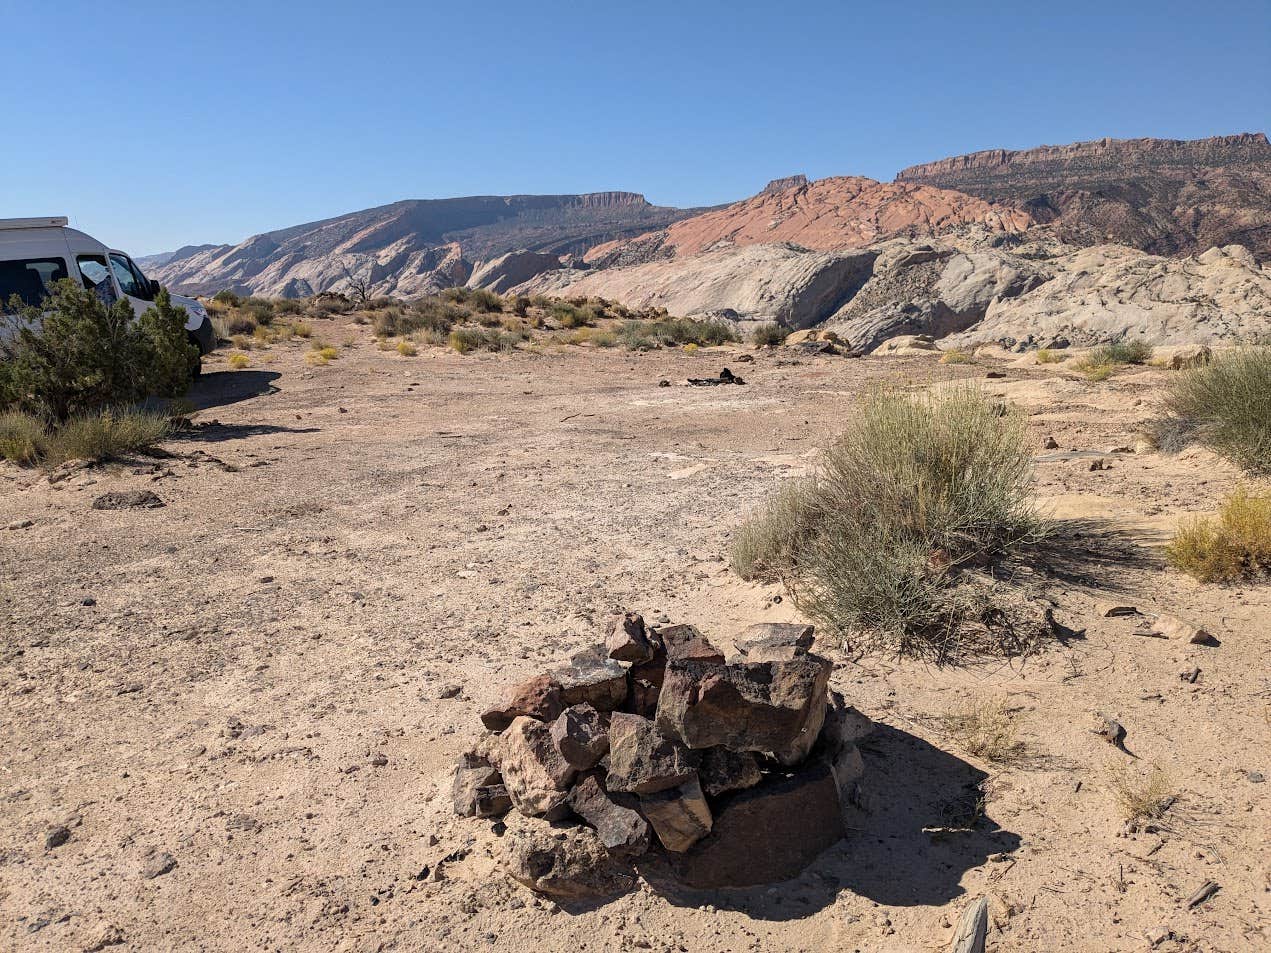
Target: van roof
{"points": [[48, 221]]}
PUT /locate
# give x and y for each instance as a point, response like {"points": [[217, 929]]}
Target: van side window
{"points": [[130, 278], [31, 279], [92, 268]]}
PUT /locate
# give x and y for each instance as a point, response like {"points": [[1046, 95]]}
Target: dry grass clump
{"points": [[102, 435], [237, 361], [918, 487], [406, 349], [592, 336], [1224, 405], [768, 335], [955, 357], [1101, 362], [986, 729], [465, 340], [1234, 546], [302, 330], [1047, 355], [1141, 798], [669, 332], [23, 437]]}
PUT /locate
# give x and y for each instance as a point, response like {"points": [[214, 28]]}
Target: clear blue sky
{"points": [[156, 124]]}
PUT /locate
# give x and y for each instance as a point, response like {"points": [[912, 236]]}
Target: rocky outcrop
{"points": [[931, 289], [412, 248], [826, 215], [1110, 292], [758, 282], [1166, 196], [505, 272]]}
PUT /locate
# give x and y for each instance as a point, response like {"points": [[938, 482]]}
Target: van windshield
{"points": [[31, 279]]}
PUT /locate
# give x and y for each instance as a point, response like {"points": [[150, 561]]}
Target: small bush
{"points": [[74, 354], [241, 341], [1225, 406], [768, 335], [1047, 356], [237, 361], [260, 309], [301, 330], [457, 294], [289, 306], [483, 300], [1100, 363], [917, 487], [106, 434], [406, 349], [1234, 546], [1140, 798], [955, 357], [465, 340], [236, 323], [667, 332], [23, 437], [227, 297], [987, 730]]}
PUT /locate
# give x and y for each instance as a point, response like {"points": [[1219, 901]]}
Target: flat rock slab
{"points": [[592, 678], [643, 760], [773, 642], [128, 500], [768, 833], [614, 816], [539, 698], [685, 643], [768, 706], [680, 816]]}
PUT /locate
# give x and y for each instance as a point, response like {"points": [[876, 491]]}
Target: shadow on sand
{"points": [[221, 388], [908, 785]]}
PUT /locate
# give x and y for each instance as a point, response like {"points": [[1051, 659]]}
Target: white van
{"points": [[36, 252]]}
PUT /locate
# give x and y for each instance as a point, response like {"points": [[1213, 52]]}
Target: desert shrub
{"points": [[301, 330], [666, 332], [458, 294], [1047, 355], [986, 729], [519, 305], [380, 303], [406, 349], [430, 337], [387, 324], [23, 437], [955, 357], [238, 322], [227, 297], [917, 487], [1234, 546], [106, 433], [285, 306], [468, 339], [260, 309], [768, 335], [237, 361], [1140, 798], [1225, 406], [592, 336], [74, 354], [569, 315], [483, 300], [1102, 361]]}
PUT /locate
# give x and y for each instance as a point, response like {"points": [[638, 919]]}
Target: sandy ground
{"points": [[250, 682]]}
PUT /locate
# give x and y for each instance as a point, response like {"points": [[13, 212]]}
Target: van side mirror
{"points": [[155, 288]]}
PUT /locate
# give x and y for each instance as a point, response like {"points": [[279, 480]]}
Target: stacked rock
{"points": [[739, 770]]}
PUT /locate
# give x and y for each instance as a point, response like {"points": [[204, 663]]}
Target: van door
{"points": [[133, 285]]}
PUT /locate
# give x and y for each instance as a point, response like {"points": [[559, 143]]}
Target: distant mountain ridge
{"points": [[1165, 196], [412, 247]]}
